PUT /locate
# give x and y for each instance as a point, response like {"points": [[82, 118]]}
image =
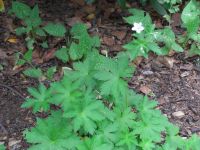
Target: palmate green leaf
{"points": [[95, 143], [40, 100], [147, 145], [192, 143], [55, 29], [53, 133], [21, 10], [85, 113], [65, 93], [172, 140], [113, 76], [83, 73], [127, 140], [108, 131], [151, 122], [125, 119]]}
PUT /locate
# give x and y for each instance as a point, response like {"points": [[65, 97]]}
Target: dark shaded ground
{"points": [[176, 88]]}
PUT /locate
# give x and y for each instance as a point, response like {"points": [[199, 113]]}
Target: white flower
{"points": [[138, 27]]}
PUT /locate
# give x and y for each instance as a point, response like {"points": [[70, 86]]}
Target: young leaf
{"points": [[40, 100], [20, 30], [95, 143], [21, 10], [62, 54], [33, 72], [34, 19], [55, 29], [83, 73], [50, 72], [127, 140], [113, 76], [65, 92], [85, 112], [52, 133]]}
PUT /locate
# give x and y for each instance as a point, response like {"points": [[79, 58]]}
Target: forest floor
{"points": [[174, 81]]}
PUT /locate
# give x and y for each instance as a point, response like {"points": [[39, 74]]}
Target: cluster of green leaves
{"points": [[98, 111], [164, 7], [81, 44], [159, 41], [191, 21], [95, 108], [33, 27]]}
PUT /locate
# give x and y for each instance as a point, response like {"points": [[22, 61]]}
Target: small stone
{"points": [[178, 114], [185, 74], [147, 72], [14, 144]]}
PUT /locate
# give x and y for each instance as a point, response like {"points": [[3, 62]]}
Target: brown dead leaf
{"points": [[49, 54], [119, 34], [108, 40], [166, 61], [145, 89], [89, 9], [79, 2], [138, 60], [176, 19], [74, 20], [12, 39], [90, 16], [116, 47], [3, 54]]}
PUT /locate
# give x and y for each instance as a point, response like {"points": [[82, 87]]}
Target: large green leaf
{"points": [[55, 29]]}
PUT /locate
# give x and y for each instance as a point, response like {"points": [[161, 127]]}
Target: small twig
{"points": [[12, 89]]}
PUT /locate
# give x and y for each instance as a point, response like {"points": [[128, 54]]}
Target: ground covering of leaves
{"points": [[173, 80]]}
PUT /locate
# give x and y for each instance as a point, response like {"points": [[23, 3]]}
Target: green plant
{"points": [[33, 26], [98, 111], [81, 44], [95, 109], [191, 21], [147, 37]]}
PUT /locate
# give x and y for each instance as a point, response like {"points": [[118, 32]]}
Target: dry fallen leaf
{"points": [[108, 40], [119, 34], [166, 61], [145, 89], [12, 40], [2, 8], [74, 20]]}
